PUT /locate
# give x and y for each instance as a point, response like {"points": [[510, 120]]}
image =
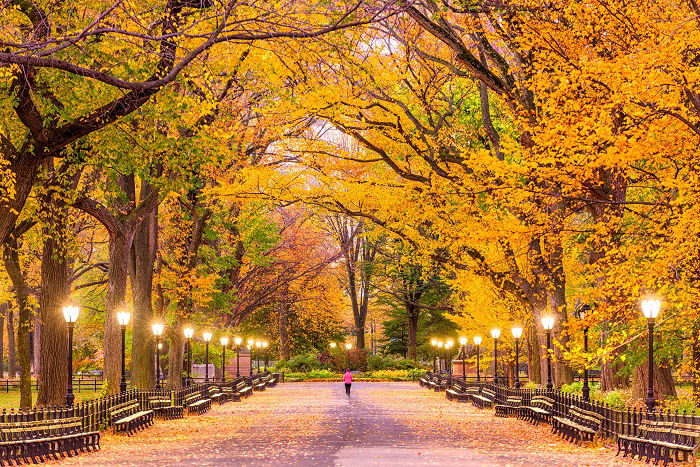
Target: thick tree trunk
{"points": [[119, 248], [3, 310], [610, 378], [53, 376], [413, 313], [284, 330], [176, 355], [663, 381], [563, 373], [533, 355], [11, 345], [144, 254], [36, 343], [12, 265]]}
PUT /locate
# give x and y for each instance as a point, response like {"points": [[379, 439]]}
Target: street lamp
{"points": [[70, 313], [237, 340], [463, 343], [224, 343], [258, 345], [495, 333], [207, 337], [548, 325], [651, 309], [448, 356], [251, 346], [123, 318], [439, 353], [265, 345], [517, 332], [157, 329], [477, 343], [189, 332], [581, 314], [433, 344], [348, 346]]}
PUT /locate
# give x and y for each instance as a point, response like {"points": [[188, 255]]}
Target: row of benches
{"points": [[658, 441], [42, 440]]}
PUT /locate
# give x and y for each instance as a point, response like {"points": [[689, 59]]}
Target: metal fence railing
{"points": [[614, 421]]}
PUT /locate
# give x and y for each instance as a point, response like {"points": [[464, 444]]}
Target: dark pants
{"points": [[347, 388]]}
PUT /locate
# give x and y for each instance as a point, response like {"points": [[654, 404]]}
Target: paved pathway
{"points": [[314, 424]]}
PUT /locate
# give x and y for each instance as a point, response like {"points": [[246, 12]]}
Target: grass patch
{"points": [[11, 399]]}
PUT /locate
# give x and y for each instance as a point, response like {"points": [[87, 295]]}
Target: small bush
{"points": [[575, 388], [377, 362]]}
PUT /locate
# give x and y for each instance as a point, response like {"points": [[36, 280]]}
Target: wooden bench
{"points": [[231, 393], [538, 410], [578, 425], [661, 441], [272, 380], [38, 441], [129, 417], [217, 395], [454, 393], [163, 408], [259, 384], [197, 403], [485, 399], [511, 407], [243, 389]]}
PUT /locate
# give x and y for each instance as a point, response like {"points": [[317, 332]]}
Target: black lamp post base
{"points": [[122, 386], [70, 398], [586, 393]]}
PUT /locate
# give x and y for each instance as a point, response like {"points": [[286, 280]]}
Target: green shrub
{"points": [[416, 373], [575, 388], [530, 385], [378, 362], [615, 399], [300, 363]]}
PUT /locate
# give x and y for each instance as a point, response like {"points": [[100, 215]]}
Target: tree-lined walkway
{"points": [[314, 424]]}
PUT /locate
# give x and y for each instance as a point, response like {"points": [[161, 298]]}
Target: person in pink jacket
{"points": [[347, 378]]}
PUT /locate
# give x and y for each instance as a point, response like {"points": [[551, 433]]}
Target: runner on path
{"points": [[347, 378]]}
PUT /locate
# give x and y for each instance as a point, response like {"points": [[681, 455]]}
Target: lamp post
{"points": [[517, 332], [258, 346], [651, 309], [123, 318], [581, 313], [189, 332], [495, 333], [251, 346], [207, 337], [433, 344], [70, 313], [265, 345], [157, 332], [440, 345], [348, 346], [237, 340], [463, 343], [224, 343], [548, 325], [477, 342], [448, 355]]}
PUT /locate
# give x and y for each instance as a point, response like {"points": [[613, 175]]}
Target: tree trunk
{"points": [[175, 357], [284, 330], [144, 250], [53, 376], [36, 343], [413, 314], [12, 265], [3, 309], [663, 381], [610, 379], [11, 345], [119, 248]]}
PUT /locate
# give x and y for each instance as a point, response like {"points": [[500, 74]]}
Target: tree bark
{"points": [[3, 310], [12, 265], [36, 343], [119, 248], [413, 313], [11, 345], [663, 381], [176, 355], [144, 250], [284, 330], [53, 376]]}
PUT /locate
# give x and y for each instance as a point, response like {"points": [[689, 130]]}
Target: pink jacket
{"points": [[347, 377]]}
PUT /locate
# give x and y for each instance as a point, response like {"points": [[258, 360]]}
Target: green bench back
{"points": [[40, 429]]}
